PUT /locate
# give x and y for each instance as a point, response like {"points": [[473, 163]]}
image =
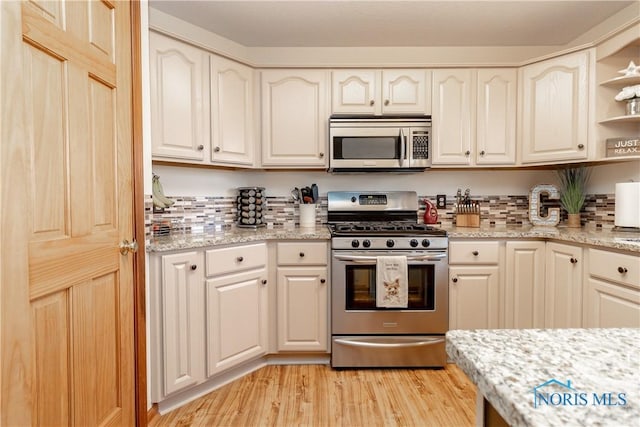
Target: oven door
{"points": [[354, 308], [375, 147]]}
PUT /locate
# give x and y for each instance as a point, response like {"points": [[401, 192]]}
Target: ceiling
{"points": [[353, 23]]}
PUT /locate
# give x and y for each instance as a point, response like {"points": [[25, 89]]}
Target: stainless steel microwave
{"points": [[385, 144]]}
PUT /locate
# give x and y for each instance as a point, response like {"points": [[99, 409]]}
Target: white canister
{"points": [[307, 215], [627, 210]]}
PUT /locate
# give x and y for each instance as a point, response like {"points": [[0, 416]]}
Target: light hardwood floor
{"points": [[316, 395]]}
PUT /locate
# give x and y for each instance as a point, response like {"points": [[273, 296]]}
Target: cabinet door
{"points": [[609, 305], [182, 321], [496, 117], [356, 92], [302, 308], [295, 110], [232, 140], [237, 317], [563, 286], [179, 113], [452, 100], [555, 109], [404, 92], [524, 285], [473, 297]]}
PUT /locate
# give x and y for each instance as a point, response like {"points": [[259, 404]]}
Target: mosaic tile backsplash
{"points": [[200, 214]]}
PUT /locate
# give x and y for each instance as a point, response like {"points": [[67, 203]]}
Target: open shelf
{"points": [[622, 119], [622, 81]]}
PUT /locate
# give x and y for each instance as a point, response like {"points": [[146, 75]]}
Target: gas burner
{"points": [[384, 228]]}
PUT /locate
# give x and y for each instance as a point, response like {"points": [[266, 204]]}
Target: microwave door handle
{"points": [[403, 143]]}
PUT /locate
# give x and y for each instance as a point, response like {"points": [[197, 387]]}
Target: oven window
{"points": [[361, 287], [369, 147]]}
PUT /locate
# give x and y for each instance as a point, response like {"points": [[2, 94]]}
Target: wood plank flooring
{"points": [[316, 395]]}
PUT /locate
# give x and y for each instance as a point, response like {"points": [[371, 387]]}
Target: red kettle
{"points": [[430, 212]]}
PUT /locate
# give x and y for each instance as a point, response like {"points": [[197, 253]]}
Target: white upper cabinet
{"points": [[397, 91], [474, 115], [554, 108], [232, 122], [179, 114], [295, 112]]}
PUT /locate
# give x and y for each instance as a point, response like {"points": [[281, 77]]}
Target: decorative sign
{"points": [[622, 147], [553, 218]]}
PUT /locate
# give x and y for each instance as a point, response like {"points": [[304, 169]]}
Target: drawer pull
{"points": [[239, 259], [264, 281], [454, 280], [573, 261], [323, 280], [301, 254], [475, 253], [622, 270], [194, 266]]}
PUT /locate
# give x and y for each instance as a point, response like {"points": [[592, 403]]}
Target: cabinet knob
{"points": [[622, 270], [321, 155], [216, 150], [372, 102], [200, 147], [240, 259], [466, 153], [454, 280], [194, 267], [573, 261], [580, 146], [301, 254], [323, 280], [475, 253], [386, 102], [264, 281], [482, 153]]}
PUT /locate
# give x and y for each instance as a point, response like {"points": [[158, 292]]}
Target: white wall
{"points": [[185, 181]]}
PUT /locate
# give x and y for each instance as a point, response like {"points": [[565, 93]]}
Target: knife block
{"points": [[468, 220]]}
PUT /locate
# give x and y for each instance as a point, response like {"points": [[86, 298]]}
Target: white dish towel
{"points": [[391, 282]]}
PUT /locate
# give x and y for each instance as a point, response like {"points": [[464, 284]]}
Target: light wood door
{"points": [[563, 286], [232, 140], [295, 110], [302, 308], [67, 292], [182, 317], [179, 100], [404, 92], [453, 97], [609, 305], [473, 297], [237, 319], [555, 108], [524, 285], [356, 92], [496, 117]]}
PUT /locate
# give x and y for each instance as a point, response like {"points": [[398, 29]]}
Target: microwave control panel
{"points": [[420, 144]]}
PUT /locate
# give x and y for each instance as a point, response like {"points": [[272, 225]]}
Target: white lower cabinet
{"points": [[302, 296], [523, 301], [612, 290], [236, 305], [177, 325], [474, 285], [563, 286]]}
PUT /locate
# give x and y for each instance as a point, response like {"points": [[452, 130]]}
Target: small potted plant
{"points": [[630, 94], [573, 183]]}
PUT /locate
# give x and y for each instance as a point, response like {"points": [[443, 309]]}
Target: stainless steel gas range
{"points": [[364, 227]]}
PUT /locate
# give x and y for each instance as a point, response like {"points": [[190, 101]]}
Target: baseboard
{"points": [[153, 415]]}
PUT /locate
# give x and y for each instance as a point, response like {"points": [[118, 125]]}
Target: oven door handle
{"points": [[423, 342], [368, 259]]}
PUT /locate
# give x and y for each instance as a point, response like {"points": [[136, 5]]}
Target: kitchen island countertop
{"points": [[554, 377]]}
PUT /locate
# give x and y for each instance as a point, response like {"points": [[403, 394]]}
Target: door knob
{"points": [[127, 247]]}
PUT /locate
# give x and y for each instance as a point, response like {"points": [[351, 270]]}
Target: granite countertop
{"points": [[606, 238], [508, 364]]}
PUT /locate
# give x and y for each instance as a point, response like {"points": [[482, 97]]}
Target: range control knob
{"points": [[426, 243], [413, 243], [366, 243], [355, 243], [390, 243], [353, 199]]}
